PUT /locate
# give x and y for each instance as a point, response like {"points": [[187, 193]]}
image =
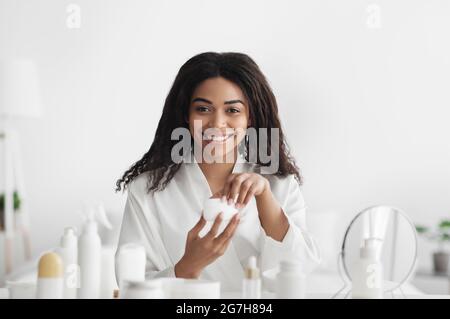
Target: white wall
{"points": [[365, 110]]}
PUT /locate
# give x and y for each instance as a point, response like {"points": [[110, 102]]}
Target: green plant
{"points": [[441, 234], [16, 205], [16, 201]]}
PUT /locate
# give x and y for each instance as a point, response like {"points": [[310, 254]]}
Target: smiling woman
{"points": [[244, 78], [217, 98], [218, 107]]}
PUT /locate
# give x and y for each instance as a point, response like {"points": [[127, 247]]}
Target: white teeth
{"points": [[215, 138], [219, 138]]}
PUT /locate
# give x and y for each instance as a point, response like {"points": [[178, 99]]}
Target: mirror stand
{"points": [[387, 237], [347, 285]]}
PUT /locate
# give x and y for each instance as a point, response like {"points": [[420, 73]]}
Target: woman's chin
{"points": [[219, 154], [219, 158]]}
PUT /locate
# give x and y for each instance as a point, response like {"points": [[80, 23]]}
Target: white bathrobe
{"points": [[160, 221]]}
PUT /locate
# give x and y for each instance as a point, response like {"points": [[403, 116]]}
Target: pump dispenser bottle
{"points": [[251, 286], [69, 255], [367, 281]]}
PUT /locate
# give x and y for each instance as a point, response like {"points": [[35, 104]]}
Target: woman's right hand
{"points": [[202, 251]]}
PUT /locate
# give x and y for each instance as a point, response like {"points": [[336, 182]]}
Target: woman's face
{"points": [[218, 118]]}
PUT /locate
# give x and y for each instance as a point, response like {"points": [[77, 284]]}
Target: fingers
{"points": [[228, 232], [217, 195], [240, 188], [248, 196], [215, 227], [246, 187], [193, 233], [235, 188], [227, 186]]}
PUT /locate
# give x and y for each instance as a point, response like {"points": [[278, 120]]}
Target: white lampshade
{"points": [[19, 89]]}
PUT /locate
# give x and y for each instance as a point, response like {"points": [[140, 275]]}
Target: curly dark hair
{"points": [[238, 68]]}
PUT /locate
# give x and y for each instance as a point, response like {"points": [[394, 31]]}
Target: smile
{"points": [[217, 138]]}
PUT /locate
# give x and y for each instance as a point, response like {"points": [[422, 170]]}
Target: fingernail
{"points": [[223, 199], [238, 205], [230, 201]]}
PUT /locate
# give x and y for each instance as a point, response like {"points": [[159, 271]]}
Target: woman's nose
{"points": [[218, 120]]}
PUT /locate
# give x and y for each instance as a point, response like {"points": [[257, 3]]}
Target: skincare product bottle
{"points": [[108, 276], [89, 259], [367, 276], [291, 281], [50, 277], [251, 286], [69, 255], [131, 259]]}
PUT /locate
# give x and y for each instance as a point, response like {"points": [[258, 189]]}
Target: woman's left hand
{"points": [[239, 188]]}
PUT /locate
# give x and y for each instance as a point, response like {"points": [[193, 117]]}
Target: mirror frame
{"points": [[406, 217]]}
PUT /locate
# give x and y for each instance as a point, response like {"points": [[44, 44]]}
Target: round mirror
{"points": [[396, 240]]}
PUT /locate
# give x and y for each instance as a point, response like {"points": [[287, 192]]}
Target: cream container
{"points": [[149, 289], [50, 277], [131, 260], [195, 289], [213, 206], [21, 289]]}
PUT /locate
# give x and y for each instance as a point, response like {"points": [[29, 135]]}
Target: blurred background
{"points": [[362, 87]]}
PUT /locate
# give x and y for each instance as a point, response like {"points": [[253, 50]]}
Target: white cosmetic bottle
{"points": [[367, 281], [50, 277], [69, 255], [131, 260], [251, 286], [291, 281], [89, 258], [108, 276]]}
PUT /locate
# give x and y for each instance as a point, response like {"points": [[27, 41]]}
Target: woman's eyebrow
{"points": [[200, 99], [234, 102]]}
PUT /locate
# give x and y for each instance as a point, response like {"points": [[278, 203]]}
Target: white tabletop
{"points": [[267, 295]]}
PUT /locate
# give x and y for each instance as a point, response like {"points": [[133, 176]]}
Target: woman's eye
{"points": [[233, 110], [202, 109]]}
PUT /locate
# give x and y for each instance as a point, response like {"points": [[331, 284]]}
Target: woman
{"points": [[218, 97]]}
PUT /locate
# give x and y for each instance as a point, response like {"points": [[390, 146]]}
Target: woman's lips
{"points": [[217, 138]]}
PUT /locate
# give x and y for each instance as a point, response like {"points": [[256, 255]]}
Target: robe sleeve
{"points": [[141, 226], [297, 244]]}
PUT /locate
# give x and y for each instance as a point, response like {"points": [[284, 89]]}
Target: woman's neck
{"points": [[217, 170]]}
